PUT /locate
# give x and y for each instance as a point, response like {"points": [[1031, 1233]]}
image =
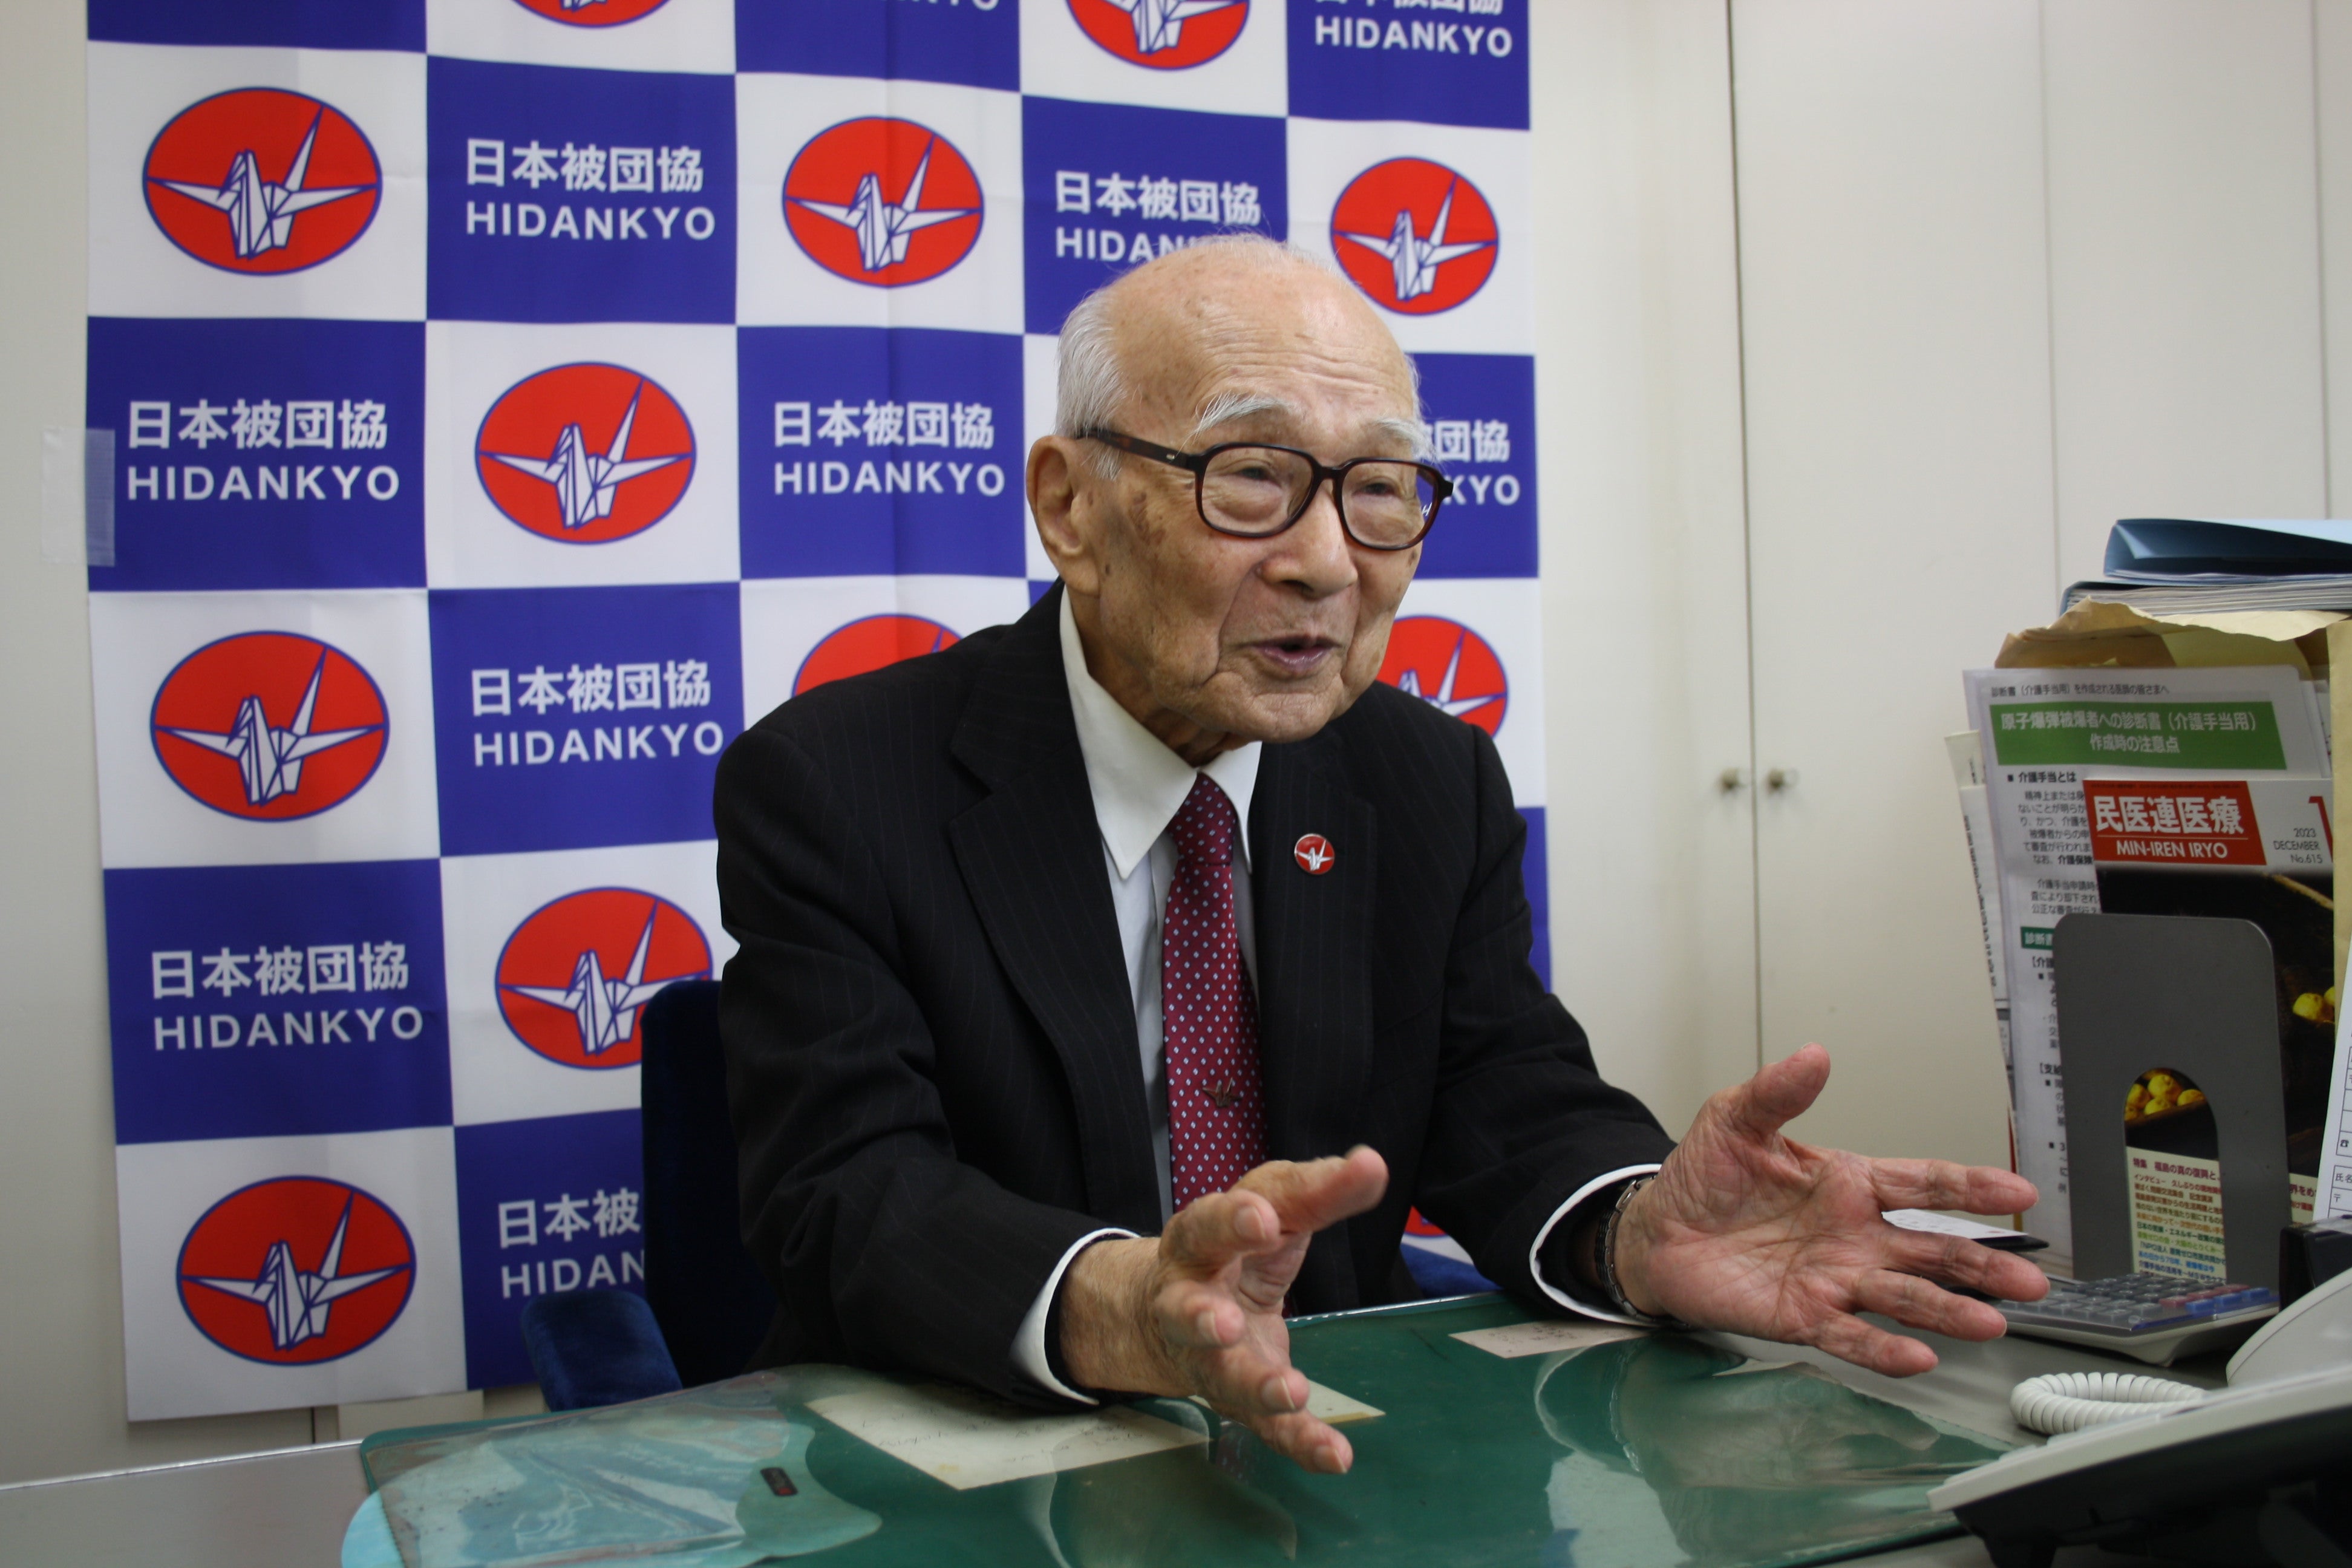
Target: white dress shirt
{"points": [[1138, 785]]}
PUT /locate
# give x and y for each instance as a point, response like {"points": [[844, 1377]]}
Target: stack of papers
{"points": [[2172, 566]]}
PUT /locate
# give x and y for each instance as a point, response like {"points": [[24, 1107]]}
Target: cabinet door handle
{"points": [[1780, 779], [1731, 779]]}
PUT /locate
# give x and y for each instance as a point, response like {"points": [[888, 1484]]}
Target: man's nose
{"points": [[1314, 553]]}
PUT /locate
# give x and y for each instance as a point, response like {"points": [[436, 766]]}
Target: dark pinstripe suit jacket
{"points": [[930, 1043]]}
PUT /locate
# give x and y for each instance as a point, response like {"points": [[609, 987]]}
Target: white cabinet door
{"points": [[1644, 606], [1894, 270], [2009, 271]]}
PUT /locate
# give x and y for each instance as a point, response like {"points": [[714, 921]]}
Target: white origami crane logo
{"points": [[295, 1298], [269, 757], [883, 227], [1416, 260], [261, 212], [1444, 700], [607, 1009], [1314, 853], [586, 482], [1160, 23]]}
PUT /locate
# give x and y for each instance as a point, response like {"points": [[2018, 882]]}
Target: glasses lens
{"points": [[1254, 490], [1388, 503]]}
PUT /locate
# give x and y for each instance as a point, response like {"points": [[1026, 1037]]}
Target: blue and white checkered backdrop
{"points": [[514, 398]]}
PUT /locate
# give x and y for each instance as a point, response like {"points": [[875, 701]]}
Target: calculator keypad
{"points": [[2135, 1303]]}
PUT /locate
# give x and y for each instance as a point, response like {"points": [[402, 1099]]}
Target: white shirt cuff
{"points": [[1535, 1254], [1029, 1356]]}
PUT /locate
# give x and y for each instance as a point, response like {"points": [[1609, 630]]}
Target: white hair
{"points": [[1090, 387]]}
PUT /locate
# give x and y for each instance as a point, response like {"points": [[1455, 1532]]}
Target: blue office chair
{"points": [[705, 1307], [1437, 1275]]}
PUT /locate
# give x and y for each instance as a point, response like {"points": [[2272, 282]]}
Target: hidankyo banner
{"points": [[513, 399]]}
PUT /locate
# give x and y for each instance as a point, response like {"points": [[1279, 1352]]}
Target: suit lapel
{"points": [[1314, 970], [1031, 854]]}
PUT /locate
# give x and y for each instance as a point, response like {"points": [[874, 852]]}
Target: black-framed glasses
{"points": [[1252, 491]]}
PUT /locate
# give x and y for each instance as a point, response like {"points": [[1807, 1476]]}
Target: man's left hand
{"points": [[1748, 1230]]}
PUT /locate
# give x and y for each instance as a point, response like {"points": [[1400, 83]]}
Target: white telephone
{"points": [[2258, 1471]]}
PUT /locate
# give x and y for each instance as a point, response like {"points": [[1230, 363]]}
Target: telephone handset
{"points": [[2260, 1471]]}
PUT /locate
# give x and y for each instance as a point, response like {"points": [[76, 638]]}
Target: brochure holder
{"points": [[2200, 996]]}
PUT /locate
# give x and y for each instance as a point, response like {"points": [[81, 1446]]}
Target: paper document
{"points": [[1326, 1404], [1966, 751], [1330, 1406], [969, 1439], [1948, 1225], [2334, 1199], [1514, 1339], [2251, 734]]}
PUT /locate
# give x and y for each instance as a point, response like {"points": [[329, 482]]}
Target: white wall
{"points": [[60, 1301], [1941, 288], [61, 1291], [2186, 345]]}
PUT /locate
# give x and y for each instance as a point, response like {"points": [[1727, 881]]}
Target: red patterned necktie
{"points": [[1216, 1103]]}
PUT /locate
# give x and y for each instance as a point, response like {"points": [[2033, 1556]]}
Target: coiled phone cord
{"points": [[2069, 1401]]}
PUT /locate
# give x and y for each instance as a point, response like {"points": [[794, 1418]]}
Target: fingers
{"points": [[1941, 1184], [1918, 1303], [2013, 1279], [1958, 1262], [1248, 1378], [1217, 1333], [1780, 1092], [1212, 1230], [1312, 1195], [1280, 1197], [1209, 1331], [1848, 1337], [1309, 1442], [1269, 1397], [1196, 1315]]}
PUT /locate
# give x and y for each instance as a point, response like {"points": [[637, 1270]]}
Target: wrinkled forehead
{"points": [[1270, 345]]}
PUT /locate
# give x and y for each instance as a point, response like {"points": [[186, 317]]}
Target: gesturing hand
{"points": [[1748, 1230], [1199, 1310]]}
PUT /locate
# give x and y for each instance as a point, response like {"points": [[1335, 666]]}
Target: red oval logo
{"points": [[574, 977], [296, 1270], [885, 202], [1165, 35], [592, 13], [1449, 666], [1415, 235], [269, 726], [262, 181], [1314, 853], [870, 644], [585, 454]]}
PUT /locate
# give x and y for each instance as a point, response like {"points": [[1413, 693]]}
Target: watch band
{"points": [[1605, 1261]]}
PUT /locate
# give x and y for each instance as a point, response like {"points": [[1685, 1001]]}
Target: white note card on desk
{"points": [[1514, 1339], [969, 1439], [1332, 1407]]}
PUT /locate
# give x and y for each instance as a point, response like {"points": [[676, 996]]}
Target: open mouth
{"points": [[1295, 656]]}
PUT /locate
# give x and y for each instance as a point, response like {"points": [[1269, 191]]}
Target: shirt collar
{"points": [[1138, 782]]}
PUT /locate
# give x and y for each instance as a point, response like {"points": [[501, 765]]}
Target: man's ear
{"points": [[1058, 501]]}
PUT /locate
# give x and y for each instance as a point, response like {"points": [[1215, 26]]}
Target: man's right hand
{"points": [[1199, 1310]]}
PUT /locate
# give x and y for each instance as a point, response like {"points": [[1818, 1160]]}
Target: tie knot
{"points": [[1203, 825]]}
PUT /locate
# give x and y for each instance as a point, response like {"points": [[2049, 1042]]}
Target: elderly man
{"points": [[1114, 982]]}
